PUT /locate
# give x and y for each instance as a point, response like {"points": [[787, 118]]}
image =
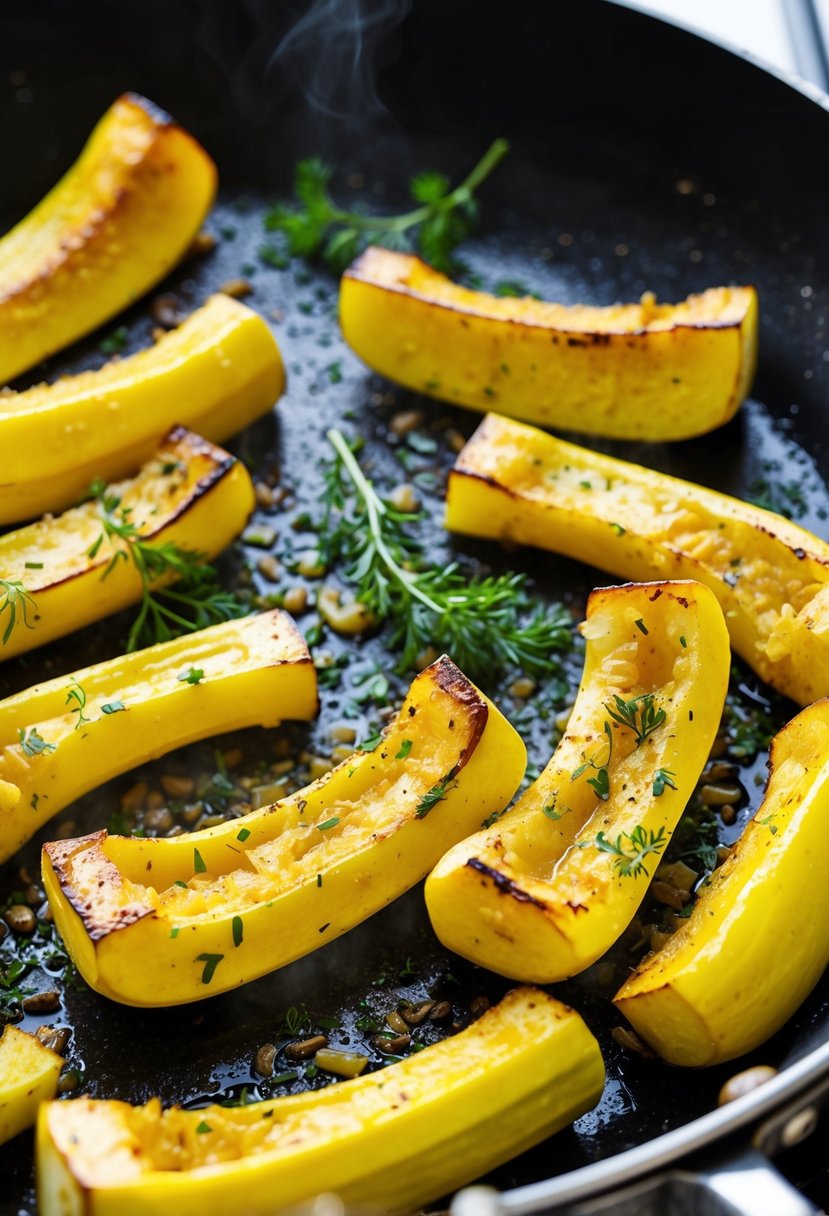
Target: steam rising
{"points": [[330, 55]]}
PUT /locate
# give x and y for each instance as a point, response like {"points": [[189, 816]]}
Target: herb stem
{"points": [[490, 160], [375, 508]]}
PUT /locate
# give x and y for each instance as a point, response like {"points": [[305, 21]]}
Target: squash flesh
{"points": [[115, 224], [298, 873], [398, 1138], [190, 493], [256, 672], [217, 372], [741, 964], [534, 896], [637, 371], [29, 1074], [770, 576]]}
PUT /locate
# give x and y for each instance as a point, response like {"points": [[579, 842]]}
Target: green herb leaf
{"points": [[329, 823], [316, 226], [202, 1128], [194, 676], [193, 601], [15, 604], [663, 779], [242, 835], [115, 342], [435, 794], [32, 744], [629, 859], [369, 744], [405, 748], [639, 715], [237, 926], [211, 962], [198, 862], [552, 812], [601, 783], [486, 624], [77, 694]]}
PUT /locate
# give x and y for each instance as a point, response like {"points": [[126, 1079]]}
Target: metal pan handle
{"points": [[743, 1185]]}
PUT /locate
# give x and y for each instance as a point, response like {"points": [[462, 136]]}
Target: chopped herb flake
{"points": [[211, 962]]}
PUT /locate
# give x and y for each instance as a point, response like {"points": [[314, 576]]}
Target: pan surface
{"points": [[642, 159]]}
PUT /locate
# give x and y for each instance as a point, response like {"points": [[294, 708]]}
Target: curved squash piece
{"points": [[548, 888], [113, 226], [770, 576], [217, 372], [397, 1138], [29, 1074], [162, 922], [634, 371], [740, 965], [56, 575], [95, 723]]}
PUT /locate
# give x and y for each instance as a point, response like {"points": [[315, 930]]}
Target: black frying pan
{"points": [[627, 134]]}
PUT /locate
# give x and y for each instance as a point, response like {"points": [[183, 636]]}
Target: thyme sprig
{"points": [[640, 715], [629, 858], [485, 624], [15, 605], [195, 601], [315, 225]]}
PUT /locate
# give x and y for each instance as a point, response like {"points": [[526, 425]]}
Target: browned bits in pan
{"points": [[305, 1048], [265, 1057]]}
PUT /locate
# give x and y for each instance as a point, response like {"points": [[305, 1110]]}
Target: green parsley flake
{"points": [[194, 676], [211, 962]]}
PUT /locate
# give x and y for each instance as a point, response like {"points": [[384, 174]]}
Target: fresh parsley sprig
{"points": [[195, 601], [485, 624], [316, 226]]}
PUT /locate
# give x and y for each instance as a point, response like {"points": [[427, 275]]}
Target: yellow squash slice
{"points": [[61, 739], [397, 1139], [29, 1073], [547, 889], [113, 226], [216, 373], [512, 482], [161, 922], [634, 371], [57, 575], [756, 941]]}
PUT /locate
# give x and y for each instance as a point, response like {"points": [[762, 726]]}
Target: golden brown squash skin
{"points": [[143, 918], [539, 895], [387, 1141], [191, 493], [29, 1074], [116, 223], [771, 577], [643, 371], [216, 373], [757, 939], [254, 672]]}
